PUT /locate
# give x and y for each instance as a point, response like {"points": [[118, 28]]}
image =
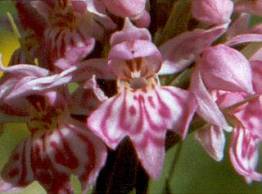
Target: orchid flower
{"points": [[70, 31], [58, 145], [142, 109], [220, 68], [247, 133]]}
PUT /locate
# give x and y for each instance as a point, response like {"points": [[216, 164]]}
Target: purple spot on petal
{"points": [[132, 110]]}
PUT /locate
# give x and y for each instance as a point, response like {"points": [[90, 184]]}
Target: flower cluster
{"points": [[90, 73]]}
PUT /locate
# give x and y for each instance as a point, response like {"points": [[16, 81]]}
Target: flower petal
{"points": [[125, 8], [18, 171], [212, 12], [179, 52], [207, 108], [213, 141], [143, 115], [244, 38], [74, 149], [244, 154], [151, 153], [130, 33], [227, 69], [145, 118]]}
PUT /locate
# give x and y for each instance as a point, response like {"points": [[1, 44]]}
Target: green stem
{"points": [[13, 24], [177, 21], [172, 168]]}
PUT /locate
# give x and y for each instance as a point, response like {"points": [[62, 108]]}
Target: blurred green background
{"points": [[195, 172]]}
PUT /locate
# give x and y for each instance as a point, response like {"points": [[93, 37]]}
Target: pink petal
{"points": [[225, 68], [130, 33], [226, 99], [179, 52], [244, 154], [125, 8], [98, 11], [29, 85], [212, 12], [144, 116], [131, 113], [213, 141], [244, 38], [24, 69], [151, 153], [250, 116], [207, 108], [74, 149], [183, 106], [145, 52], [143, 20], [71, 47]]}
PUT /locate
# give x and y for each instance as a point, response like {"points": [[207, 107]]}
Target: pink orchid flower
{"points": [[70, 32], [246, 137], [142, 109], [220, 68], [58, 145]]}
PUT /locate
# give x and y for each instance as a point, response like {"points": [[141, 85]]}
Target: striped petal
{"points": [[144, 116], [67, 46], [73, 149], [51, 158], [244, 154], [18, 171]]}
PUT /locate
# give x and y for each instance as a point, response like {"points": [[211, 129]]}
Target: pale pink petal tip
{"points": [[213, 141]]}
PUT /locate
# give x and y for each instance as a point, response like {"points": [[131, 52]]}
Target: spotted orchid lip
{"points": [[51, 157]]}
